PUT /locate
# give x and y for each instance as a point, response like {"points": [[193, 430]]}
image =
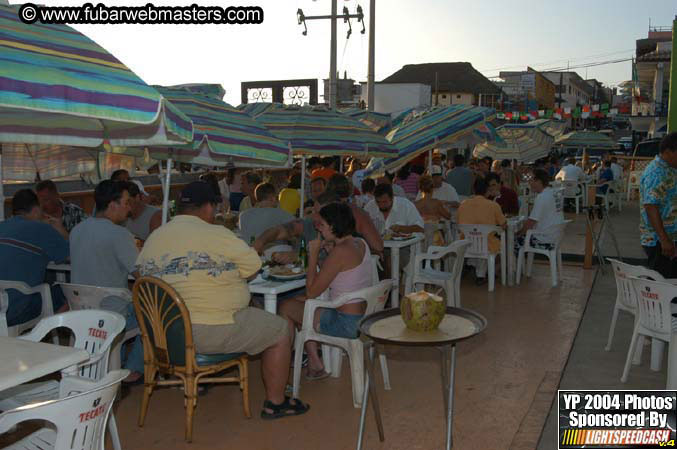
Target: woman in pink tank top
{"points": [[347, 268]]}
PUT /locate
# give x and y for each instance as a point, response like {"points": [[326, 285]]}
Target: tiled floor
{"points": [[499, 374]]}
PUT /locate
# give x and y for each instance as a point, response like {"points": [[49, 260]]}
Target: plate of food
{"points": [[286, 272], [395, 236]]}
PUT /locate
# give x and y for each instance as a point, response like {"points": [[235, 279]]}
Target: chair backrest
{"points": [[524, 205], [375, 296], [164, 320], [625, 291], [478, 235], [634, 178], [558, 193], [429, 230], [374, 268], [82, 296], [572, 189], [653, 302], [80, 420], [268, 253], [554, 232], [93, 330]]}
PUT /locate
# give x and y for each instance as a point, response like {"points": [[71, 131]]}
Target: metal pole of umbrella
{"points": [[303, 184], [2, 190], [165, 200]]}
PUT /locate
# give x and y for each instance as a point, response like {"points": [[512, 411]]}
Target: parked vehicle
{"points": [[647, 149], [626, 143]]}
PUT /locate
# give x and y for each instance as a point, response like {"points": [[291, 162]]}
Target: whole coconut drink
{"points": [[422, 311]]}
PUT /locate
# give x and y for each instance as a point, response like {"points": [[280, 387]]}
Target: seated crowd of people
{"points": [[345, 222]]}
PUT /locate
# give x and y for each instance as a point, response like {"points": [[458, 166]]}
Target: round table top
{"points": [[388, 327]]}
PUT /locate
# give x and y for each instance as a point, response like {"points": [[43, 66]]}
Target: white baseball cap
{"points": [[436, 170], [140, 185]]}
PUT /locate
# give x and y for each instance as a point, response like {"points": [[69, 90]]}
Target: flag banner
{"points": [[548, 113], [586, 108], [557, 116], [508, 115], [567, 110], [605, 106], [613, 111], [585, 115], [595, 107], [577, 113], [616, 419], [541, 112], [500, 116]]}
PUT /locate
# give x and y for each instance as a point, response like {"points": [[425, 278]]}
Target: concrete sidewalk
{"points": [[590, 367]]}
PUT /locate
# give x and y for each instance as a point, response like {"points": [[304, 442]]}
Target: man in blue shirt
{"points": [[658, 209], [27, 245], [605, 177]]}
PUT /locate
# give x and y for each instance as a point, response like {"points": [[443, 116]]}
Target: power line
{"points": [[579, 66], [558, 61]]}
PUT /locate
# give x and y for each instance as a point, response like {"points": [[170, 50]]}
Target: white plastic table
{"points": [[395, 245], [23, 361], [271, 289], [514, 225]]}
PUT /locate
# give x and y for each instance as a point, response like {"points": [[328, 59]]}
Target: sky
{"points": [[490, 34]]}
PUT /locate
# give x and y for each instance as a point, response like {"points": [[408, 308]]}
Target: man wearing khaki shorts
{"points": [[209, 266]]}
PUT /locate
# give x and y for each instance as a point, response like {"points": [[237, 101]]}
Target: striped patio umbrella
{"points": [[378, 122], [586, 139], [554, 128], [319, 131], [222, 135], [59, 88], [256, 109], [432, 128], [523, 143]]}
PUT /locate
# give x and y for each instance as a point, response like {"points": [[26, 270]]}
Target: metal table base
{"points": [[448, 366]]}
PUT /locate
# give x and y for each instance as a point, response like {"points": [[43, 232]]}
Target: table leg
{"points": [[672, 364], [270, 303], [395, 276], [369, 389], [450, 403], [510, 253]]}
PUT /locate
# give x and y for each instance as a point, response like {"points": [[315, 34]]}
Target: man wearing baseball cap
{"points": [[442, 190], [143, 218], [209, 266]]}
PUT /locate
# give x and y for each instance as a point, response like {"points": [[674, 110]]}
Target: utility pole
{"points": [[346, 16], [560, 89], [672, 95], [333, 84], [372, 43]]}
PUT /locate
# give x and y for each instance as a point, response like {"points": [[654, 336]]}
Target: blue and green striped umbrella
{"points": [[378, 122], [524, 142], [256, 109], [58, 87], [586, 139], [320, 131], [222, 134], [432, 128]]}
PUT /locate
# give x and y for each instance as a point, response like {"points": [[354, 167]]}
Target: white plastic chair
{"points": [[478, 235], [79, 419], [94, 331], [375, 296], [554, 254], [449, 279], [82, 297], [574, 190], [633, 183], [47, 308], [655, 317], [612, 197], [626, 300], [524, 205], [268, 253]]}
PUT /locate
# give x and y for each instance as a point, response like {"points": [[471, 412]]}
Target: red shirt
{"points": [[508, 200]]}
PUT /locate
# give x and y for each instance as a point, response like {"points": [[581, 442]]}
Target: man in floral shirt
{"points": [[55, 209], [658, 211]]}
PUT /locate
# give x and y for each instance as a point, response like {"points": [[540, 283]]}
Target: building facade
{"points": [[527, 91]]}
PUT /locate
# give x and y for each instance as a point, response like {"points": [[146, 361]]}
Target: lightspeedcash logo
{"points": [[148, 14]]}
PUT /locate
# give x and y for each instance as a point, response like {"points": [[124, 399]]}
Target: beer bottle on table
{"points": [[303, 254]]}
